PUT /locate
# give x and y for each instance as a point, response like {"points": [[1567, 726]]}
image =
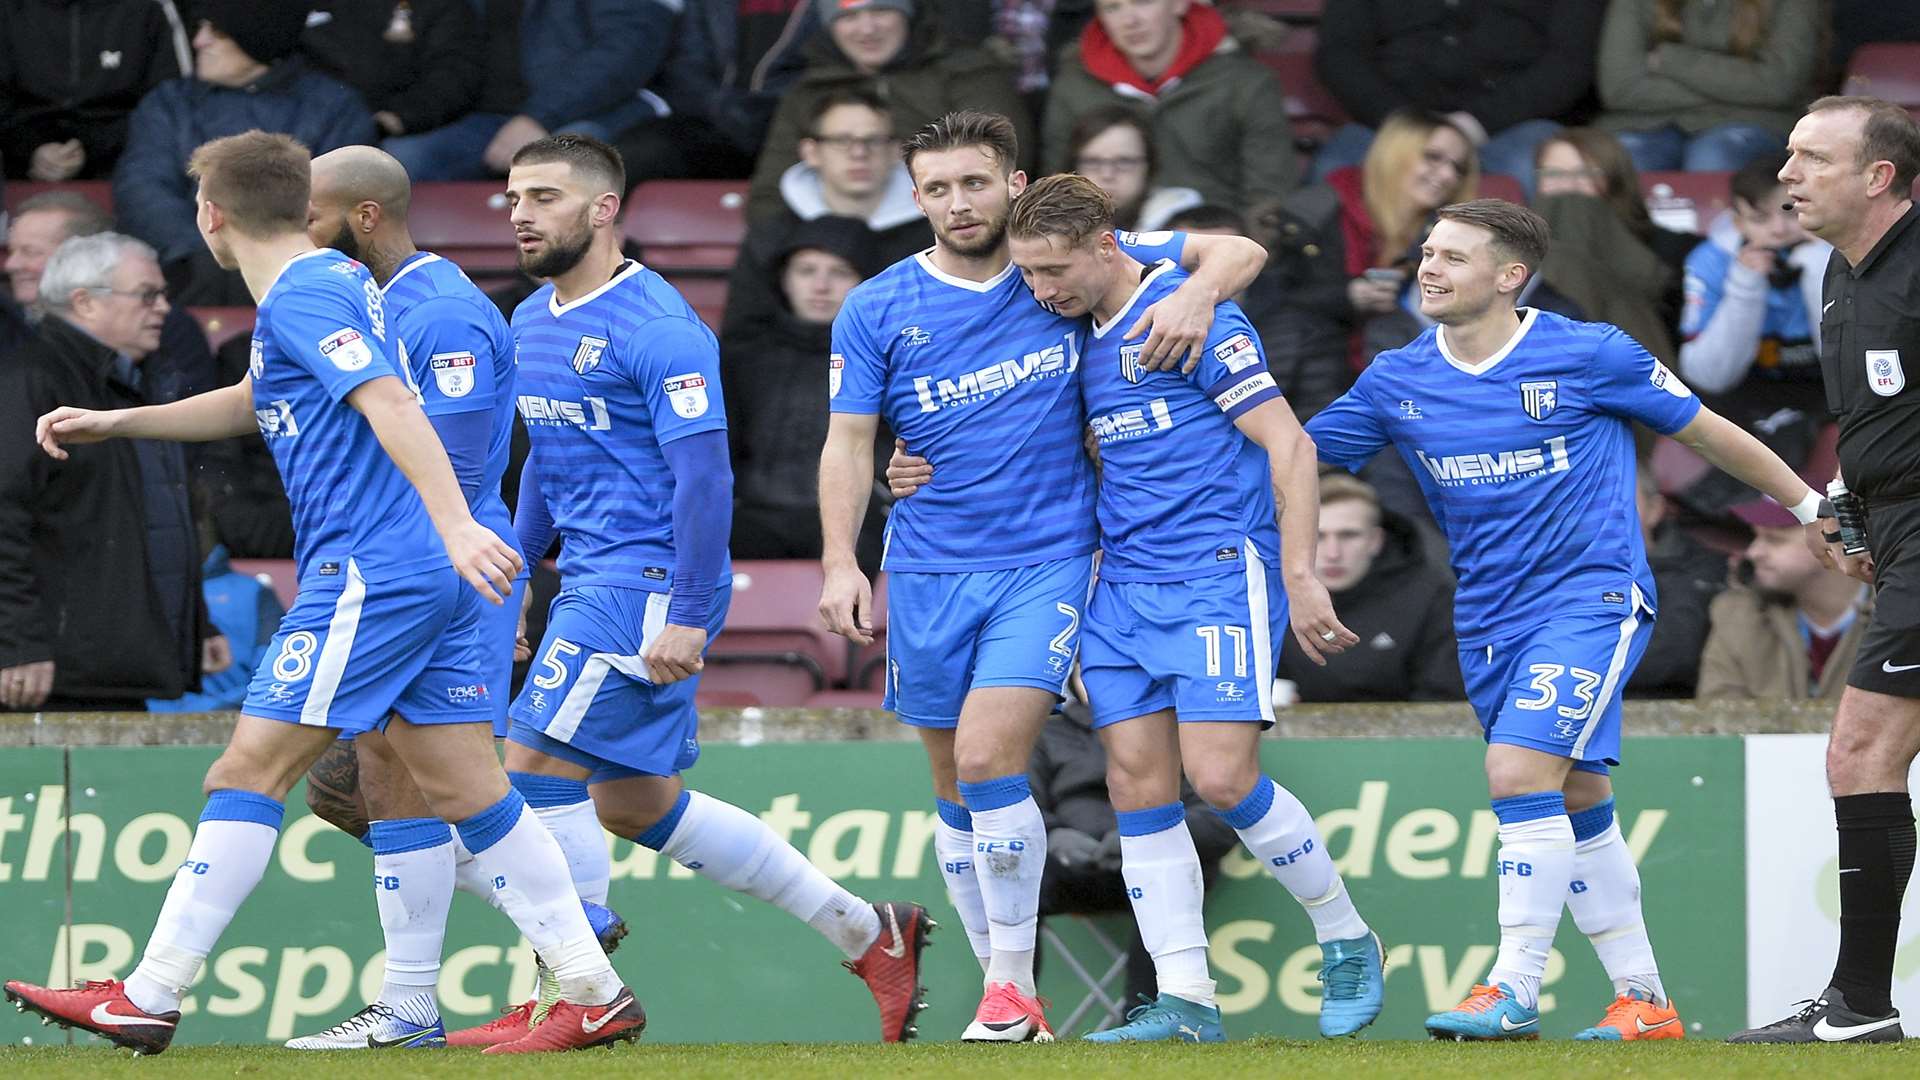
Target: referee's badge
{"points": [[1540, 398], [1885, 376], [1130, 368]]}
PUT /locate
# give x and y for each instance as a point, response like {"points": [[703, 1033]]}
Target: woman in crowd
{"points": [[1113, 147]]}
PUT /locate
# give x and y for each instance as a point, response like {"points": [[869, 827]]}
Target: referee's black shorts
{"points": [[1889, 657]]}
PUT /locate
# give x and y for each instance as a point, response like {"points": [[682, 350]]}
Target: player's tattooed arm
{"points": [[1177, 325], [333, 789]]}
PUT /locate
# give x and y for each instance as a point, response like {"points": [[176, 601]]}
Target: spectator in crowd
{"points": [[1113, 146], [1791, 634], [731, 63], [1864, 22], [1687, 575], [411, 60], [71, 71], [1386, 590], [1068, 775], [1752, 318], [247, 75], [1342, 256], [1211, 107], [1210, 219], [1706, 85], [1031, 34], [100, 603], [893, 50], [774, 370], [180, 368], [581, 66], [849, 167], [247, 613], [1591, 162], [1503, 73]]}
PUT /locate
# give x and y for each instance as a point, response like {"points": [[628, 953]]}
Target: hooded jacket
{"points": [[926, 80], [80, 577], [1403, 612], [75, 69], [152, 196], [1215, 113]]}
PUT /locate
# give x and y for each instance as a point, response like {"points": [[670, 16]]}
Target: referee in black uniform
{"points": [[1850, 178]]}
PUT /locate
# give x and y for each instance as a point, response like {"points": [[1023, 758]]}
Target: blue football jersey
{"points": [[1182, 491], [459, 354], [322, 331], [979, 379], [1526, 458], [603, 383]]}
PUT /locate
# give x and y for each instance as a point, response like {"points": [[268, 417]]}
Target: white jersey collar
{"points": [[1161, 267], [1484, 366], [554, 305], [925, 260]]}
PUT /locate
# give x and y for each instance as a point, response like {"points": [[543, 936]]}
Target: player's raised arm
{"points": [[216, 414], [846, 482], [1177, 326], [393, 411]]}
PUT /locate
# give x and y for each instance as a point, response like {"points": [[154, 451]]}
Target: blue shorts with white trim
{"points": [[1556, 689], [499, 627], [950, 634], [588, 698], [349, 654], [1203, 648]]}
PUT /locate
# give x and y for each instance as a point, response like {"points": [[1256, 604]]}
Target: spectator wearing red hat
{"points": [[1793, 632]]}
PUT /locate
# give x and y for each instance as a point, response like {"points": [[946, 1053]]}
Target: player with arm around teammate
{"points": [[383, 625], [1516, 424], [990, 568]]}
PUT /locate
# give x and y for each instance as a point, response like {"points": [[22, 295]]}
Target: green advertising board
{"points": [[89, 839]]}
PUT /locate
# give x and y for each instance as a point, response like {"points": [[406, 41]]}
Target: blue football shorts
{"points": [[1556, 688], [588, 698], [950, 634], [1204, 648], [349, 653], [499, 627]]}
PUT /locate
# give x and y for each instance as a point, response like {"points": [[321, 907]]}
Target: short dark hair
{"points": [[1754, 182], [853, 95], [1067, 205], [84, 216], [1519, 234], [260, 180], [989, 131], [1891, 134], [1208, 216], [584, 154]]}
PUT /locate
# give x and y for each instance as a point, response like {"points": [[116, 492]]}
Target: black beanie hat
{"points": [[267, 30]]}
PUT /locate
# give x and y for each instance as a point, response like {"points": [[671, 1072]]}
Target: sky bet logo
{"points": [[1457, 469], [1053, 361]]}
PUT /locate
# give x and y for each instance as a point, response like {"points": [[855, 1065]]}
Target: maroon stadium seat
{"points": [[774, 645], [704, 698], [1496, 186], [466, 222], [1889, 70], [1312, 109], [280, 574], [100, 191], [708, 295], [1685, 201], [688, 224], [222, 324], [1295, 11], [846, 699]]}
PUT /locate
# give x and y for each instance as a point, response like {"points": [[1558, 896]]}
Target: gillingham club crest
{"points": [[1130, 368], [1540, 398], [586, 356]]}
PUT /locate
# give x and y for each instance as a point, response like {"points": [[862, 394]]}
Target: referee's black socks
{"points": [[1876, 859]]}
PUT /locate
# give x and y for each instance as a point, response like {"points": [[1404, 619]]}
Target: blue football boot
{"points": [[1166, 1019]]}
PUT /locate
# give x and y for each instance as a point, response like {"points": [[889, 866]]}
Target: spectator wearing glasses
{"points": [[1113, 147], [100, 601], [893, 50], [849, 167]]}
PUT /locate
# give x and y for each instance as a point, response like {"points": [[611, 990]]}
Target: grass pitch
{"points": [[1254, 1059]]}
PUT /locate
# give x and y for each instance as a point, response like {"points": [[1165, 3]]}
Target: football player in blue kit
{"points": [[1516, 423], [383, 634], [457, 353], [989, 567], [619, 386]]}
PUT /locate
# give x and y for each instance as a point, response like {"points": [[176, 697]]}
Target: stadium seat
{"points": [[704, 698], [1496, 186], [688, 225], [846, 699], [1293, 11], [222, 324], [774, 645], [1685, 201], [465, 222], [100, 191], [1888, 70], [280, 574], [1312, 110], [708, 295]]}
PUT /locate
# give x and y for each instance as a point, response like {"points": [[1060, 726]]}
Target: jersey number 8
{"points": [[295, 661]]}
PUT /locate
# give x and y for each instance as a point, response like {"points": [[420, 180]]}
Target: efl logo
{"points": [[347, 349], [687, 394], [1237, 352]]}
